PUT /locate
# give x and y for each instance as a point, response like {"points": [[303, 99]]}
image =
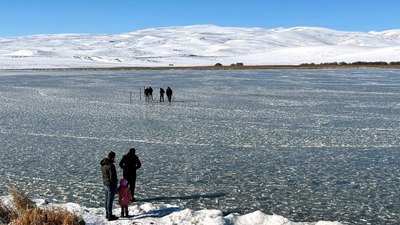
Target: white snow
{"points": [[200, 45], [165, 214]]}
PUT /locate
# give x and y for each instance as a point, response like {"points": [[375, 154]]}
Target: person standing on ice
{"points": [[110, 182], [125, 197], [129, 164], [162, 95], [146, 94], [150, 93], [169, 94]]}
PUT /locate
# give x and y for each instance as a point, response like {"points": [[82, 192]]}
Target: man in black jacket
{"points": [[162, 95], [169, 94], [129, 164], [110, 182]]}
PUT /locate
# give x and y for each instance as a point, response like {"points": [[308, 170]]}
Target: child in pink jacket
{"points": [[125, 197]]}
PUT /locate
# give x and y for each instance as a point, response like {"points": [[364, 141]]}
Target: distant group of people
{"points": [[126, 190], [148, 93]]}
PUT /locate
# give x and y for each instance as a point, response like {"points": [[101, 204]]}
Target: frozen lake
{"points": [[309, 145]]}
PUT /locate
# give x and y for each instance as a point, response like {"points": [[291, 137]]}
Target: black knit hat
{"points": [[111, 155]]}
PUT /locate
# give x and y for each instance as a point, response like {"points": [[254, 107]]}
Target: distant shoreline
{"points": [[245, 67]]}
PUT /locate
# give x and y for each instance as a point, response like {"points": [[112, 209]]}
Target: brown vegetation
{"points": [[25, 212], [21, 200], [353, 64], [55, 216], [6, 214]]}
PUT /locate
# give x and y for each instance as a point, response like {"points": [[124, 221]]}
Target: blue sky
{"points": [[24, 17]]}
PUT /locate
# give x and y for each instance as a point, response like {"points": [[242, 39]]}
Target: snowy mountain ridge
{"points": [[198, 45]]}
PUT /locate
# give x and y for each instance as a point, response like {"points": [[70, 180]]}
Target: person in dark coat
{"points": [[110, 182], [162, 95], [129, 164], [150, 93], [147, 94], [169, 94]]}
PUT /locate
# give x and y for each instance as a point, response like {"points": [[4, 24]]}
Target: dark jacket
{"points": [[129, 164], [169, 92], [109, 172]]}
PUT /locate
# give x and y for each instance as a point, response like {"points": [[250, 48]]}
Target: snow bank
{"points": [[165, 214], [168, 215]]}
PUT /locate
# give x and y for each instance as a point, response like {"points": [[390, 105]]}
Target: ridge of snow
{"points": [[166, 214]]}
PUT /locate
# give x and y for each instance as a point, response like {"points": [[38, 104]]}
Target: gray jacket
{"points": [[109, 172]]}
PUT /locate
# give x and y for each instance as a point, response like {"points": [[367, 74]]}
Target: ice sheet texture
{"points": [[308, 145]]}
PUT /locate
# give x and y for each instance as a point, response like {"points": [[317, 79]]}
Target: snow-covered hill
{"points": [[199, 45]]}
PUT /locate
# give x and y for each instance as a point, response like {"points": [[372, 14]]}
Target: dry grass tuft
{"points": [[21, 200], [25, 212], [6, 213], [50, 216]]}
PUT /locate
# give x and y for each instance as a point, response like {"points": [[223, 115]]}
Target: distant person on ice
{"points": [[162, 95], [151, 93], [145, 93], [125, 197], [169, 94], [110, 182], [129, 164]]}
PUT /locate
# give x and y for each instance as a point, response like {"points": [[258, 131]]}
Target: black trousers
{"points": [[132, 183]]}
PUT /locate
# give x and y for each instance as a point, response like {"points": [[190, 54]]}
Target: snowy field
{"points": [[307, 145]]}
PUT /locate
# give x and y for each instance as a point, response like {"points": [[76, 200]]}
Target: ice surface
{"points": [[320, 145]]}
